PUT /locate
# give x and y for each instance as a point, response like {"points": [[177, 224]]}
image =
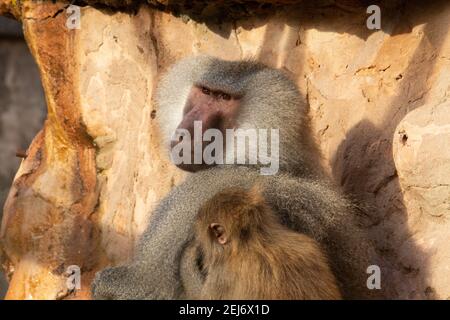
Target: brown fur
{"points": [[261, 259]]}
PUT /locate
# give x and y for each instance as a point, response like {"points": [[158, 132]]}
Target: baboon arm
{"points": [[156, 266], [190, 274], [306, 205], [315, 208], [154, 271]]}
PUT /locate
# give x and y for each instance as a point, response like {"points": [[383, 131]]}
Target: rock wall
{"points": [[378, 100], [22, 105]]}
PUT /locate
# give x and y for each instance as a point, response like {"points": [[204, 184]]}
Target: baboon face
{"points": [[214, 109]]}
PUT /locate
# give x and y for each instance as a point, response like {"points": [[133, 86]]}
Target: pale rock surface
{"points": [[422, 158]]}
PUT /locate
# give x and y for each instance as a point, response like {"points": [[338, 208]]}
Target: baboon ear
{"points": [[219, 232]]}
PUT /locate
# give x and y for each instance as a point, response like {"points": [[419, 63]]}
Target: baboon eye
{"points": [[206, 91], [225, 96]]}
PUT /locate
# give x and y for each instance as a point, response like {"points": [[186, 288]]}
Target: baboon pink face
{"points": [[215, 109]]}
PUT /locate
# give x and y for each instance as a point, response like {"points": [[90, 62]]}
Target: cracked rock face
{"points": [[22, 111], [378, 100], [423, 164]]}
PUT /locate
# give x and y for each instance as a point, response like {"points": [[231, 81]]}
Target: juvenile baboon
{"points": [[248, 254], [227, 95]]}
